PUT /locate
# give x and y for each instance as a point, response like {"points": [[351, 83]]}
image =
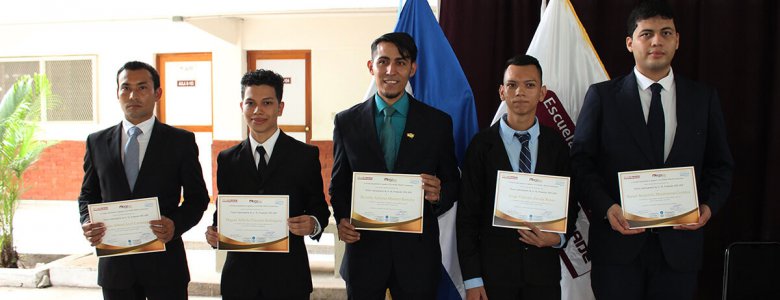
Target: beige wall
{"points": [[340, 47], [339, 43]]}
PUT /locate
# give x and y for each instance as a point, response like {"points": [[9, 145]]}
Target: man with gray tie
{"points": [[141, 158]]}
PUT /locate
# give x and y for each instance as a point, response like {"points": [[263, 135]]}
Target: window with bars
{"points": [[72, 82]]}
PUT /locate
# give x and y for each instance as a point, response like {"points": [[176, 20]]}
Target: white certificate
{"points": [[387, 202], [541, 200], [256, 223], [127, 226], [659, 197]]}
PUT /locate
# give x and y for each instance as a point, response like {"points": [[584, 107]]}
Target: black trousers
{"points": [[138, 292], [648, 277]]}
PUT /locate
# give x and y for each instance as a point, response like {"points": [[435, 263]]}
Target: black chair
{"points": [[752, 271]]}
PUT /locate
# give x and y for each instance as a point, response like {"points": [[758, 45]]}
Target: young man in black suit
{"points": [[504, 263], [164, 162], [269, 162], [418, 141], [651, 118]]}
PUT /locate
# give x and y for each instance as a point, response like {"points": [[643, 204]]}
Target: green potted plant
{"points": [[19, 148]]}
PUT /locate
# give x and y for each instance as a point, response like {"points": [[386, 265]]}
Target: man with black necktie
{"points": [[651, 118], [269, 162], [392, 132], [498, 262], [141, 158]]}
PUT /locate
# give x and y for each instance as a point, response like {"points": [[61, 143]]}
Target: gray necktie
{"points": [[132, 156]]}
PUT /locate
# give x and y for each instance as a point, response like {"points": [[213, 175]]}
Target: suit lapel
{"points": [[407, 146], [280, 151], [246, 159], [115, 148], [114, 144], [366, 125], [544, 158], [153, 153], [631, 111], [685, 111], [497, 153]]}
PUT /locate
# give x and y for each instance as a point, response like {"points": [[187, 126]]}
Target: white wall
{"points": [[339, 43], [340, 47]]}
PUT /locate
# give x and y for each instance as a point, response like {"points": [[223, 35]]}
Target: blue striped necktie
{"points": [[525, 152]]}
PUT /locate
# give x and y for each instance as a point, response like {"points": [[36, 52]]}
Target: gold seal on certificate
{"points": [[541, 200], [253, 223], [127, 227], [387, 202], [659, 197]]}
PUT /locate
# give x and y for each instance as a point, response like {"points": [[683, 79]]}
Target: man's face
{"points": [[261, 110], [522, 90], [653, 44], [137, 95], [391, 72]]}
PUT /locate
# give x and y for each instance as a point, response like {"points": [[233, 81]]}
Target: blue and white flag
{"points": [[441, 83]]}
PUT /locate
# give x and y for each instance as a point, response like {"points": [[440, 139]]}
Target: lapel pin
{"points": [[410, 135]]}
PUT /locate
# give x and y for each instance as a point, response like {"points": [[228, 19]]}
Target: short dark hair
{"points": [[648, 9], [524, 60], [402, 40], [138, 65], [263, 77]]}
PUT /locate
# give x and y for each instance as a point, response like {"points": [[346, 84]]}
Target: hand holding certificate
{"points": [[387, 202], [659, 197], [541, 200], [255, 223], [128, 230]]}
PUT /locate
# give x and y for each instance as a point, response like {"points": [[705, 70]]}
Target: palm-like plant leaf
{"points": [[19, 111]]}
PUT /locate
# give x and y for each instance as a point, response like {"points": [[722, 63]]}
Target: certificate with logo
{"points": [[659, 197], [127, 226], [387, 202], [253, 223], [541, 200]]}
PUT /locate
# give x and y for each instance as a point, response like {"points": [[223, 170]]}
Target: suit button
{"points": [[525, 248], [260, 191]]}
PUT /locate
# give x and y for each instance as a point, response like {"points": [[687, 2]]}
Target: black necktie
{"points": [[525, 152], [261, 164], [655, 123]]}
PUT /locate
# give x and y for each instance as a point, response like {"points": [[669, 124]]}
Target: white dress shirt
{"points": [[143, 138], [668, 102]]}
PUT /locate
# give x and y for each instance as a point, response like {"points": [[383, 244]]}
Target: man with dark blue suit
{"points": [[392, 132], [651, 118]]}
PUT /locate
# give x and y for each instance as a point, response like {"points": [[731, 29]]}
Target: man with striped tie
{"points": [[505, 263]]}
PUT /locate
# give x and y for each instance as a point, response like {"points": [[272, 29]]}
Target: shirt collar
{"points": [[268, 145], [401, 106], [507, 133], [644, 82], [145, 126]]}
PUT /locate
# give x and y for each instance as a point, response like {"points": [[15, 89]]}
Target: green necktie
{"points": [[387, 138]]}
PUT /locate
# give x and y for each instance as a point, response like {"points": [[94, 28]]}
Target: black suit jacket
{"points": [[427, 146], [294, 170], [612, 137], [170, 165], [495, 253]]}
